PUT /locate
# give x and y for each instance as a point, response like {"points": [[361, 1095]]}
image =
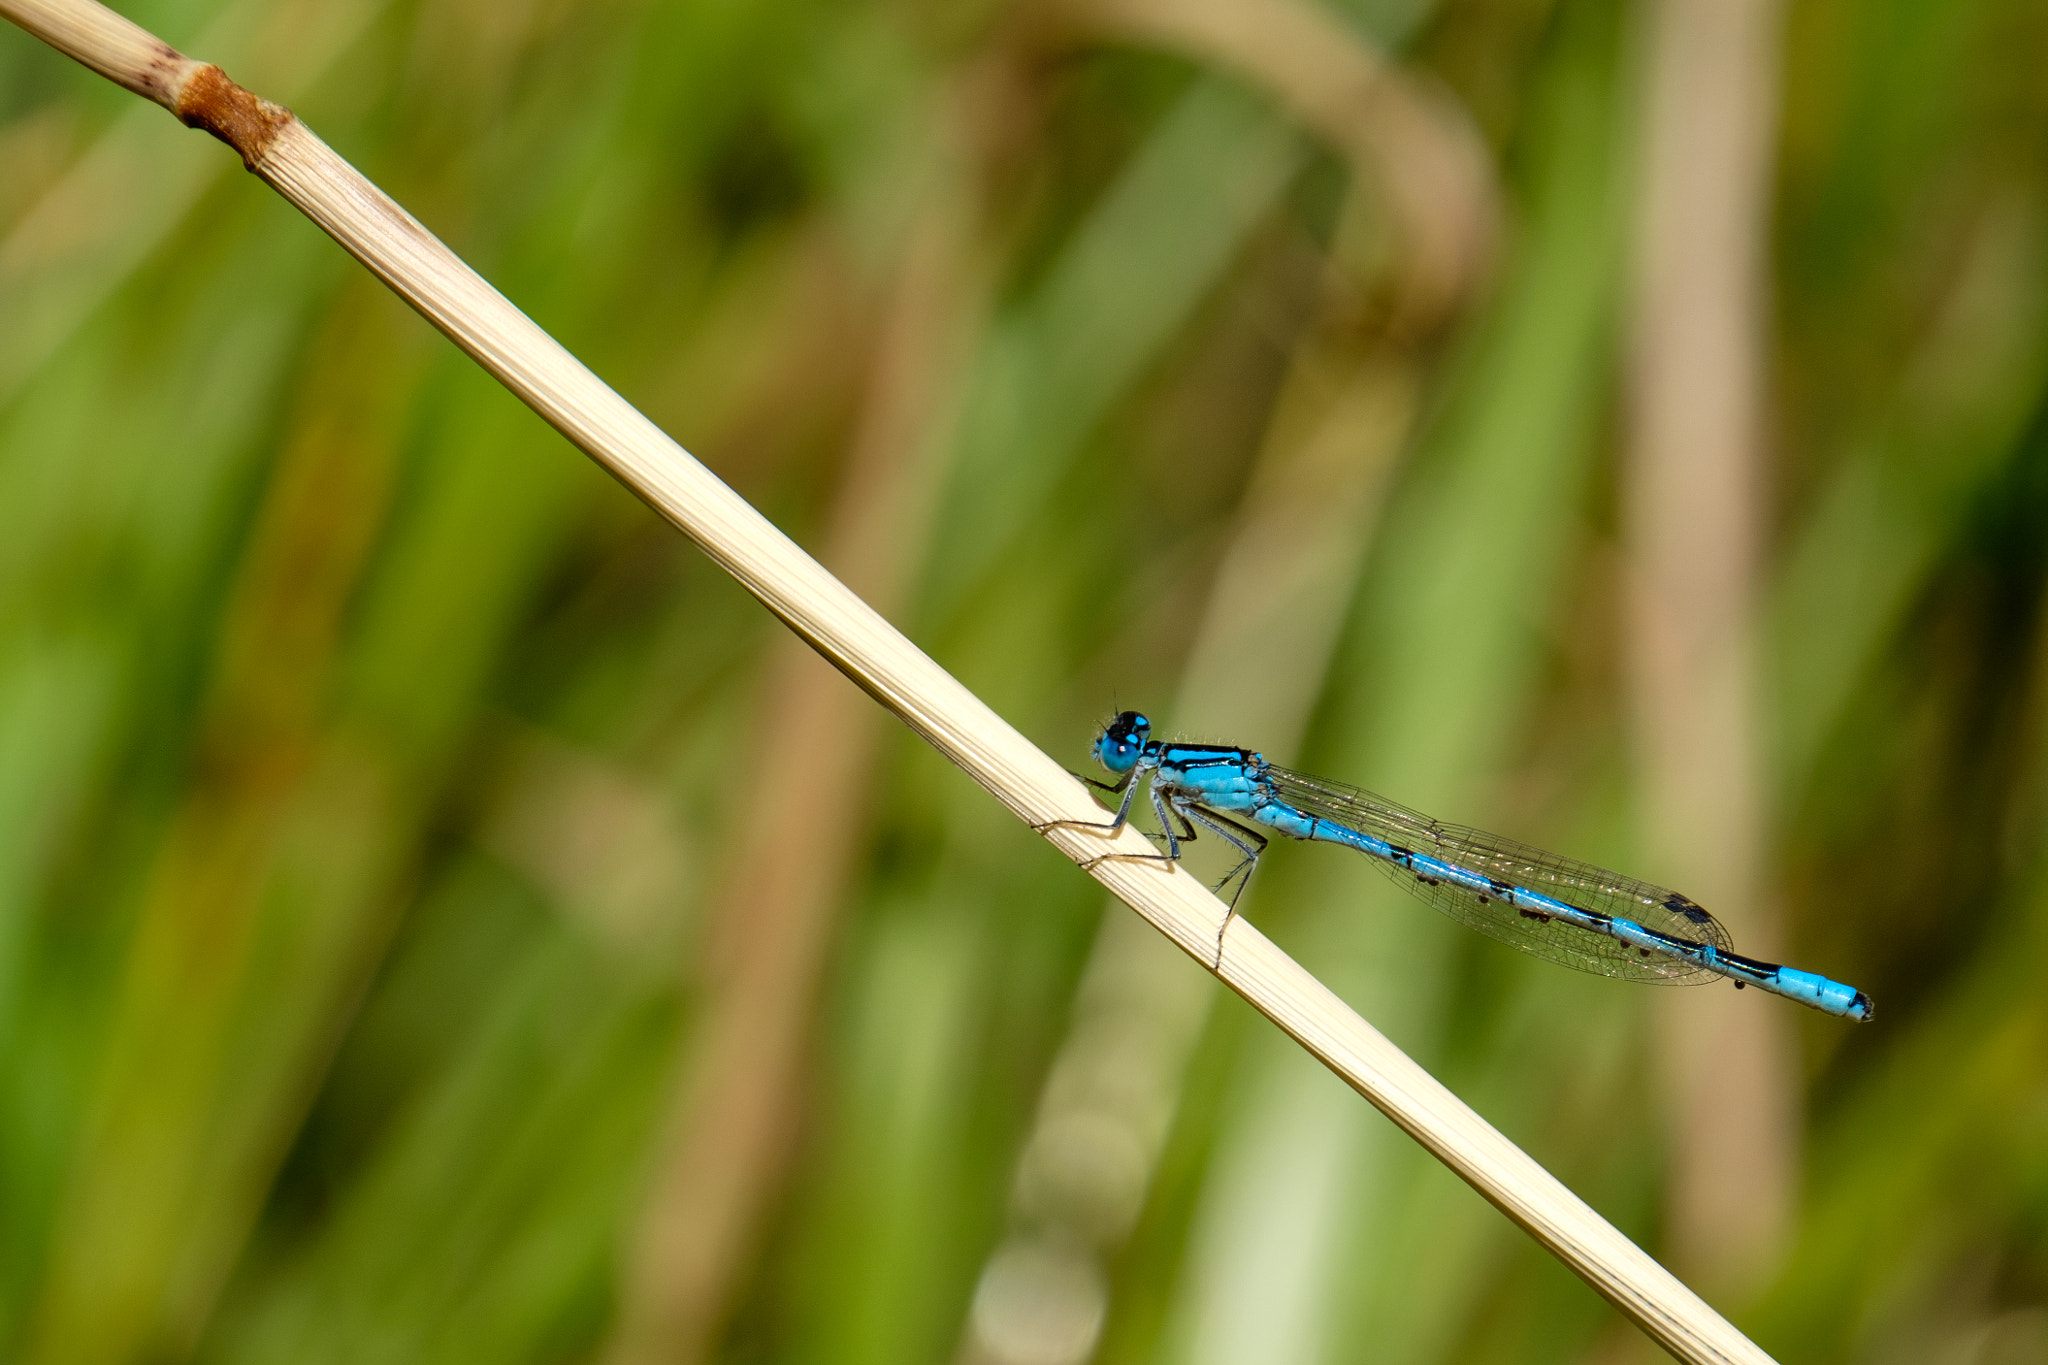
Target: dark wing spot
{"points": [[1681, 905]]}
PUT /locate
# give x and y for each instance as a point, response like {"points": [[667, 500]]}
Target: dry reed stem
{"points": [[879, 658]]}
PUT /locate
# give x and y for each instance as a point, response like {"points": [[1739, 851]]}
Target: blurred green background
{"points": [[442, 918]]}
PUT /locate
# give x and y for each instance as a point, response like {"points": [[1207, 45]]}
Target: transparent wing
{"points": [[1577, 884]]}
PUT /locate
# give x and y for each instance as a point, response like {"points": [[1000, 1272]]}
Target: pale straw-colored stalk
{"points": [[286, 154], [1694, 506]]}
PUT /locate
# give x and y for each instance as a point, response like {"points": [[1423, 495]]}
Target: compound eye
{"points": [[1116, 753]]}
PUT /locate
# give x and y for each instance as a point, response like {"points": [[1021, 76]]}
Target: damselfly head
{"points": [[1122, 741]]}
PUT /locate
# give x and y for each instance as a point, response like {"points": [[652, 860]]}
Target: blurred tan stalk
{"points": [[1402, 134], [739, 1079], [265, 906], [1695, 519]]}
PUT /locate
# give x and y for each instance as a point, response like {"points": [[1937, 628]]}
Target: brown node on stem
{"points": [[244, 121]]}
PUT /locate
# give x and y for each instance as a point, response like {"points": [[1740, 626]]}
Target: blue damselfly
{"points": [[1554, 908]]}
